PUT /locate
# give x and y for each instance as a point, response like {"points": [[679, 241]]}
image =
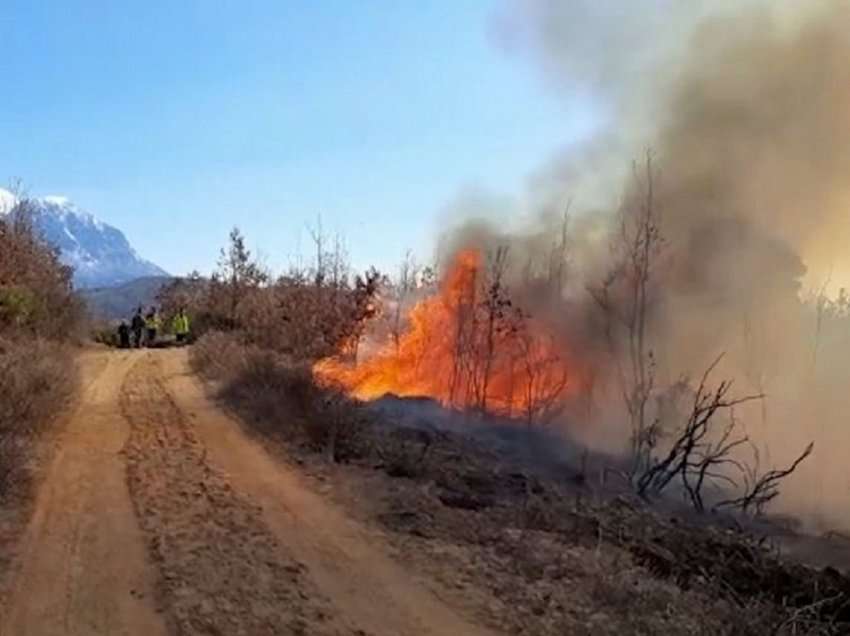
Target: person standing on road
{"points": [[137, 326], [152, 326], [124, 335], [180, 326]]}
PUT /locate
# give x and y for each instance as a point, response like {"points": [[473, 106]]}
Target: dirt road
{"points": [[158, 516], [83, 567]]}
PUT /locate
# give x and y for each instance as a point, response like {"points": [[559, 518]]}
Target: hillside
{"points": [[112, 303]]}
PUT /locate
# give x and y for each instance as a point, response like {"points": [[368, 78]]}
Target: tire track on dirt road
{"points": [[346, 561], [137, 529], [82, 567], [221, 570]]}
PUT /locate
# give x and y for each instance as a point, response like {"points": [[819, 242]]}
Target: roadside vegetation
{"points": [[39, 321], [259, 338], [533, 551]]}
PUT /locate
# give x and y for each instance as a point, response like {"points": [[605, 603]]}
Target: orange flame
{"points": [[461, 353]]}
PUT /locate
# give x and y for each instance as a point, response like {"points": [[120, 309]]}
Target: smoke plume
{"points": [[745, 110]]}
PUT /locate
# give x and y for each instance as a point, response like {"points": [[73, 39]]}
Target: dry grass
{"points": [[36, 379], [280, 398], [531, 554], [552, 562]]}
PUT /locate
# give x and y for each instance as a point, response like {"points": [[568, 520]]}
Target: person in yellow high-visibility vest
{"points": [[151, 326], [180, 326]]}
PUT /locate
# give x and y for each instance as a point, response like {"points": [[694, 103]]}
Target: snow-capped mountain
{"points": [[99, 253], [7, 201]]}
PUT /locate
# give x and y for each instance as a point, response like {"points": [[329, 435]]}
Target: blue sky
{"points": [[176, 120]]}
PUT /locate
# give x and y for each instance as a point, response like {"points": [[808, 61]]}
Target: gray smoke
{"points": [[746, 107]]}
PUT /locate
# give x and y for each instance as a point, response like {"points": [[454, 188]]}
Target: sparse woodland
{"points": [[686, 444], [487, 353], [305, 314]]}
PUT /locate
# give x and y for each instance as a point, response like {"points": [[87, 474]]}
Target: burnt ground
{"points": [[545, 549]]}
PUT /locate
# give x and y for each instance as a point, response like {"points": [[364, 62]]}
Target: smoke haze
{"points": [[745, 108]]}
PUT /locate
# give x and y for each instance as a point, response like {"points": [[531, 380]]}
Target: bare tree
{"points": [[704, 453], [545, 376], [464, 299], [486, 329], [822, 306], [625, 298], [699, 450], [404, 285], [559, 256], [237, 274], [317, 234], [495, 306]]}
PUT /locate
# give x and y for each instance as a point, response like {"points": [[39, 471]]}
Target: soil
{"points": [[18, 503], [83, 567], [159, 515], [158, 512]]}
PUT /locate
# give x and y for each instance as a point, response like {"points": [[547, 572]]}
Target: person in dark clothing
{"points": [[137, 326], [123, 335]]}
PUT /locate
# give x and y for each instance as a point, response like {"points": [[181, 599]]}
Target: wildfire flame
{"points": [[466, 350]]}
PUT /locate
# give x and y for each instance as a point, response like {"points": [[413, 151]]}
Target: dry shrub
{"points": [[279, 396], [306, 314], [404, 452], [36, 297], [38, 312], [338, 426], [218, 356], [36, 379], [101, 332]]}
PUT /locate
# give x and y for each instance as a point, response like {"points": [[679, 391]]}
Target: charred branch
{"points": [[762, 489], [698, 453]]}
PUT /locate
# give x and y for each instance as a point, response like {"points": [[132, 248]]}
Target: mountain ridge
{"points": [[99, 253], [119, 301]]}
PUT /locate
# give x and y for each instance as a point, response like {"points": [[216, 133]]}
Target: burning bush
{"points": [[469, 347], [494, 335]]}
